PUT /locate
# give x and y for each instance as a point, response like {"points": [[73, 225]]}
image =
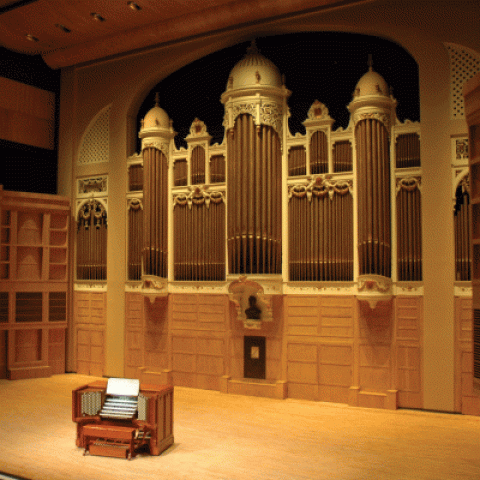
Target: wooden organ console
{"points": [[120, 417]]}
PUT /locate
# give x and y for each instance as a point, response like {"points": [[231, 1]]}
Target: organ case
{"points": [[120, 417]]}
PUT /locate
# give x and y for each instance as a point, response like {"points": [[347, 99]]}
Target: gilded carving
{"points": [[198, 196]]}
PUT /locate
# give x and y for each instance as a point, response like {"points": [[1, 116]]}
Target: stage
{"points": [[232, 437]]}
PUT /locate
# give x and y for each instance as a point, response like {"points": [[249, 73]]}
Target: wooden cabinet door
{"points": [[90, 352]]}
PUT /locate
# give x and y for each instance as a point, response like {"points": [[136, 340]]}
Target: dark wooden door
{"points": [[254, 357]]}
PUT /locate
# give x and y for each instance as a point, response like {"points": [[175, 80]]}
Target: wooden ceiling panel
{"points": [[123, 28]]}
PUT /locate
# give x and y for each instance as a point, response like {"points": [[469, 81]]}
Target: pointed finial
{"points": [[252, 49], [157, 99], [370, 62]]}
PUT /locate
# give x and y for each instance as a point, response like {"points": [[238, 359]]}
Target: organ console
{"points": [[120, 417]]}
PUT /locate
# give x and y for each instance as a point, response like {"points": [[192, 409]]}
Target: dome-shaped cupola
{"points": [[156, 125], [372, 90], [253, 71], [156, 120]]}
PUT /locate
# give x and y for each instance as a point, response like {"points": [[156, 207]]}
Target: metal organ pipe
{"points": [[155, 206], [254, 198], [373, 173]]}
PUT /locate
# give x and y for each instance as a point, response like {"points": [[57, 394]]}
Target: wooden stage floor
{"points": [[230, 437]]}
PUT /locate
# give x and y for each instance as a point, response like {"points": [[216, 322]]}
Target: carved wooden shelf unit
{"points": [[33, 283]]}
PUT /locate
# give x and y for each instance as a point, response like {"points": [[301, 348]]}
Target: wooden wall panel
{"points": [[27, 114], [28, 346], [335, 372], [302, 370], [198, 339], [466, 401], [156, 335], [3, 353], [90, 316], [134, 335], [408, 381], [336, 317], [56, 350], [302, 315]]}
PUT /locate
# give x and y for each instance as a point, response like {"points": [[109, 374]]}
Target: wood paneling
{"points": [[409, 321], [466, 401], [198, 339], [27, 114], [90, 322], [134, 336]]}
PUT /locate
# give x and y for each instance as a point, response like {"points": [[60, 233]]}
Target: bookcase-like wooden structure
{"points": [[33, 283], [471, 93]]}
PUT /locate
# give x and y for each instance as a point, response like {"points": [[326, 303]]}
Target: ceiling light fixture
{"points": [[31, 38], [97, 17], [63, 27], [134, 6]]}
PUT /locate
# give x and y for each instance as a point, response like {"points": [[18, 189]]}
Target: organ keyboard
{"points": [[119, 417]]}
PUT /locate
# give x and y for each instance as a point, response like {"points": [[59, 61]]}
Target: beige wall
{"points": [[420, 27]]}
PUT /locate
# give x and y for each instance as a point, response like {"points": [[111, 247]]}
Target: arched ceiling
{"points": [[71, 32]]}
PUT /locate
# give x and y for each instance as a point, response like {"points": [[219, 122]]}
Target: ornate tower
{"points": [[156, 134], [255, 104], [373, 111]]}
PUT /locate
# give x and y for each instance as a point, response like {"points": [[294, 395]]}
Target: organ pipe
{"points": [[318, 153], [408, 150], [198, 165], [462, 213], [297, 161], [409, 239], [217, 169], [92, 242], [200, 223], [254, 198], [321, 233], [374, 222], [155, 212], [342, 156], [135, 239]]}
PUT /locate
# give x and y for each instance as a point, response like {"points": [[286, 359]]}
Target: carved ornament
{"points": [[408, 184], [320, 186], [248, 296], [198, 196], [374, 289], [380, 116]]}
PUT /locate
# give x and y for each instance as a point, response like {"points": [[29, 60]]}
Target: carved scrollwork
{"points": [[157, 144], [271, 114], [198, 196], [135, 204], [320, 186], [198, 129], [408, 184], [92, 185], [318, 111], [380, 116]]}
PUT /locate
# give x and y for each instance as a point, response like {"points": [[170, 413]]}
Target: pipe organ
{"points": [[265, 198], [92, 241]]}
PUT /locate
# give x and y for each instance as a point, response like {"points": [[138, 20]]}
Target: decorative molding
{"points": [[134, 204], [374, 289], [320, 186], [252, 305], [158, 144], [198, 132], [82, 286], [380, 116], [84, 207], [409, 184], [92, 186], [198, 196]]}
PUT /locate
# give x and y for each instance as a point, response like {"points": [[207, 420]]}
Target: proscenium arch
{"points": [[323, 65]]}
